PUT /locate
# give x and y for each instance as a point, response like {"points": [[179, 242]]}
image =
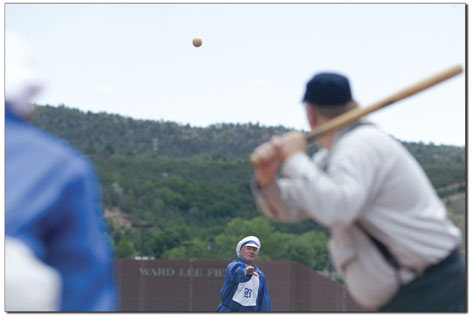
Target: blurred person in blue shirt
{"points": [[245, 287], [57, 255]]}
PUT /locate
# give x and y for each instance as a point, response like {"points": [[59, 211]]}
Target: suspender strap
{"points": [[381, 247], [387, 254]]}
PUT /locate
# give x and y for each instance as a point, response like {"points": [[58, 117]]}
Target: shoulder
{"points": [[49, 172], [236, 265], [364, 134], [367, 141], [44, 149]]}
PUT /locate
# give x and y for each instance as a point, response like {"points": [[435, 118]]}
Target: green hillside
{"points": [[191, 185]]}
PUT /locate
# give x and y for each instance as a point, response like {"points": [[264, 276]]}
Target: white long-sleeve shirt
{"points": [[370, 177]]}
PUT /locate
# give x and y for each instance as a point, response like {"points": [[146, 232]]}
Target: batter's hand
{"points": [[291, 143], [268, 155], [272, 153], [250, 271]]}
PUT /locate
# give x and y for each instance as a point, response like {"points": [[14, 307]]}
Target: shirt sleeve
{"points": [[237, 272], [333, 197]]}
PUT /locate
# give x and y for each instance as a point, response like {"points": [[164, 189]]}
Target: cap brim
{"points": [[251, 244]]}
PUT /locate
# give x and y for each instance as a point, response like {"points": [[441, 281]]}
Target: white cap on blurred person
{"points": [[248, 241], [22, 80]]}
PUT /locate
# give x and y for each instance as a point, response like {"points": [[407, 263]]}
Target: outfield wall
{"points": [[194, 286]]}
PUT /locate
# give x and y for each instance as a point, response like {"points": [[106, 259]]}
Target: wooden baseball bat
{"points": [[356, 113]]}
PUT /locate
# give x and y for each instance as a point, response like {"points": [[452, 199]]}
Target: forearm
{"points": [[273, 202], [238, 274]]}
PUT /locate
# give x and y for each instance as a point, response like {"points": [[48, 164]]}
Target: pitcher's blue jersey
{"points": [[242, 292]]}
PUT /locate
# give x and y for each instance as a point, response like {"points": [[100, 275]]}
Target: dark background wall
{"points": [[194, 286]]}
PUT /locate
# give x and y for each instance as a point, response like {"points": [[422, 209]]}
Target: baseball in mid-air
{"points": [[197, 42]]}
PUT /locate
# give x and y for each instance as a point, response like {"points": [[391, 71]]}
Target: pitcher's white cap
{"points": [[248, 241]]}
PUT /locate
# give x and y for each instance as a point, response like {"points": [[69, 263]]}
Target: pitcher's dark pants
{"points": [[442, 288]]}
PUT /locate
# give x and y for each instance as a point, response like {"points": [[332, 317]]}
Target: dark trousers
{"points": [[442, 288]]}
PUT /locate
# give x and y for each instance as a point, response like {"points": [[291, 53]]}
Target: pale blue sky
{"points": [[137, 60]]}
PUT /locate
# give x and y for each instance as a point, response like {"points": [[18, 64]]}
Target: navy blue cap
{"points": [[327, 89]]}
